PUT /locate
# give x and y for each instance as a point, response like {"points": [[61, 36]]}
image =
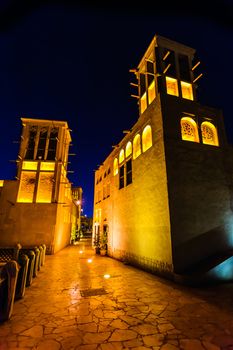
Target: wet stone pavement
{"points": [[71, 305]]}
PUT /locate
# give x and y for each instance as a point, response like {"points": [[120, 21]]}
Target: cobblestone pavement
{"points": [[138, 310]]}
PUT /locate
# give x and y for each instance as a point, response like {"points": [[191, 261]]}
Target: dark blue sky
{"points": [[66, 61]]}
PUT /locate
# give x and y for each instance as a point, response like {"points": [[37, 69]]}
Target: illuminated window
{"points": [[146, 80], [187, 90], [1, 183], [45, 187], [27, 186], [189, 130], [172, 86], [128, 149], [143, 103], [209, 134], [146, 138], [136, 146], [121, 156], [47, 166], [115, 167], [29, 165], [151, 92]]}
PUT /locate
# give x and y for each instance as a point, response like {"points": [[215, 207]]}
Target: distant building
{"points": [[164, 194], [86, 226], [77, 199], [37, 207]]}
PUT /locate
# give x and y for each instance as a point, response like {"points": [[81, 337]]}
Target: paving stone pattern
{"points": [[139, 311]]}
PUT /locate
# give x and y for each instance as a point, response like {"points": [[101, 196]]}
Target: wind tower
{"points": [[196, 151], [164, 194], [41, 206]]}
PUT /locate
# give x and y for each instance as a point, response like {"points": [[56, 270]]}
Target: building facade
{"points": [[38, 208], [77, 194], [164, 194]]}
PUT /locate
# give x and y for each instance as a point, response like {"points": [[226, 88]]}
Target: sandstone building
{"points": [[38, 207], [164, 194]]}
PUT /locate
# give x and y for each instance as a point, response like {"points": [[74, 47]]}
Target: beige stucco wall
{"points": [[138, 214], [63, 227], [31, 223]]}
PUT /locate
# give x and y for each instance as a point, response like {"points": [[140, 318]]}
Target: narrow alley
{"points": [[88, 302]]}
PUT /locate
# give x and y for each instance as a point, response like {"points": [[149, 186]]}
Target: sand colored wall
{"points": [[138, 215], [199, 187], [62, 234], [31, 223]]}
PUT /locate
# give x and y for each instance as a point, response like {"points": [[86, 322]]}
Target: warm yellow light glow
{"points": [[1, 183], [146, 138], [136, 146], [80, 252], [209, 134], [151, 92], [128, 149], [45, 187], [63, 171], [143, 104], [26, 187], [50, 166], [107, 276], [121, 156], [115, 166], [89, 261], [187, 90], [29, 165], [172, 86], [108, 189], [189, 129]]}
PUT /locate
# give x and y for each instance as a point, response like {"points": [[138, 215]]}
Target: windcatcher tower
{"points": [[38, 208], [164, 193], [197, 156], [42, 161]]}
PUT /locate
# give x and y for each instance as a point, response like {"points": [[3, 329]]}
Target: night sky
{"points": [[70, 61]]}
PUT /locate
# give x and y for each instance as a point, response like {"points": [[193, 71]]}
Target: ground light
{"points": [[80, 252], [107, 276], [89, 261]]}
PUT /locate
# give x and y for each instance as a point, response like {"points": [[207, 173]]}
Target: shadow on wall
{"points": [[205, 252]]}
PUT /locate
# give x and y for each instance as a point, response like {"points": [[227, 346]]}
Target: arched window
{"points": [[115, 166], [189, 129], [121, 156], [146, 138], [209, 134], [136, 146], [128, 149]]}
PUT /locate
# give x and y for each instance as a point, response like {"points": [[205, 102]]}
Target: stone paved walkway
{"points": [[139, 311]]}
